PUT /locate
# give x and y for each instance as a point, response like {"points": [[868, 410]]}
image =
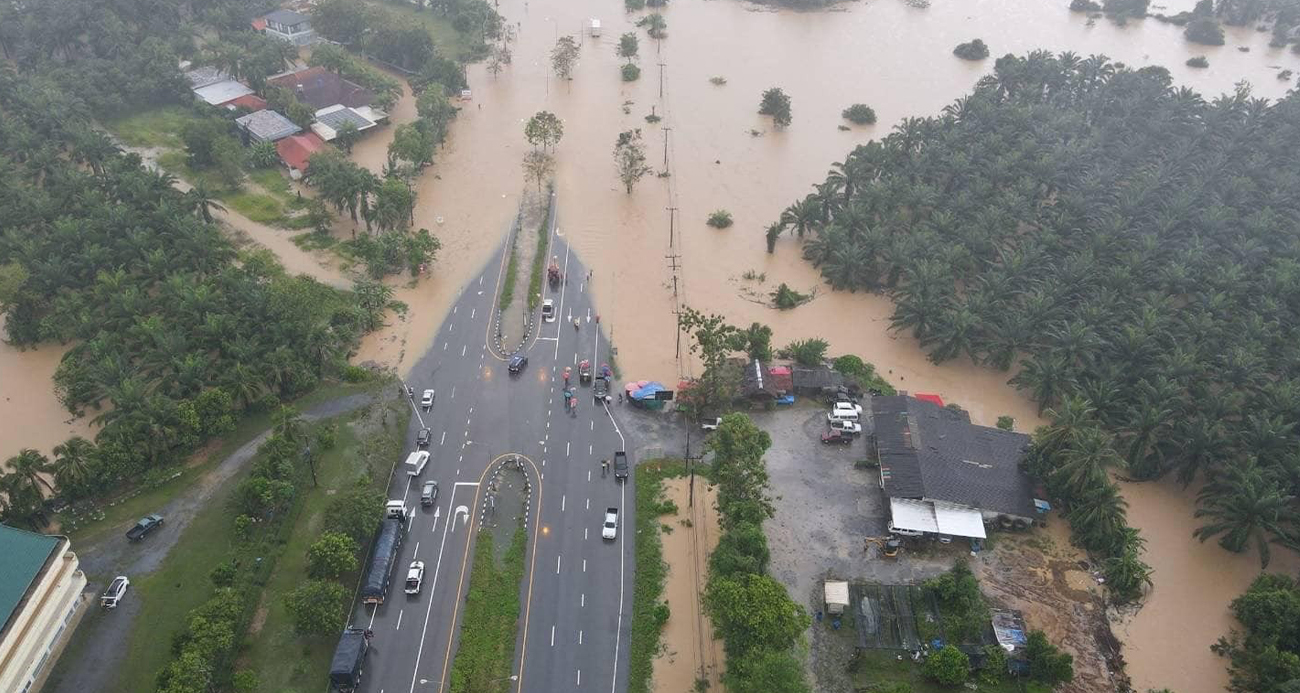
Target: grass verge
{"points": [[272, 636], [450, 42], [155, 127], [881, 669], [512, 265], [649, 613], [487, 633], [133, 505], [539, 258]]}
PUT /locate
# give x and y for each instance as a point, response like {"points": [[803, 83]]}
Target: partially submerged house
{"points": [[757, 383], [216, 87], [266, 126], [320, 88], [296, 150], [330, 120], [287, 25], [943, 474]]}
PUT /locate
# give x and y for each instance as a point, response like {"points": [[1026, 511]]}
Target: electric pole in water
{"points": [[661, 79], [672, 212], [666, 131]]}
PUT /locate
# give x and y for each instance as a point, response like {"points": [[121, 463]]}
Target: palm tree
{"points": [[29, 466], [1047, 377], [72, 463], [1245, 504], [1084, 463], [773, 231], [202, 202], [801, 216]]}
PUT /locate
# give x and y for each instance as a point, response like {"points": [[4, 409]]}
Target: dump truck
{"points": [[620, 465], [387, 544], [349, 660], [553, 274]]}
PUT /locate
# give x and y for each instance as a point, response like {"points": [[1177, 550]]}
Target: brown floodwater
{"points": [[884, 53]]}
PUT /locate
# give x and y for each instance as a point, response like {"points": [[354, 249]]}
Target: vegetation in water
{"points": [[719, 219], [786, 298], [1265, 655], [630, 72], [1205, 31], [1198, 61], [860, 114], [717, 80], [776, 103], [630, 159], [656, 27], [971, 50]]}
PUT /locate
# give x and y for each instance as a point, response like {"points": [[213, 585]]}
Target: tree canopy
{"points": [[1131, 247]]}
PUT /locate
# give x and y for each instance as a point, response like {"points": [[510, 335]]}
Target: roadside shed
{"points": [[758, 385], [836, 596]]}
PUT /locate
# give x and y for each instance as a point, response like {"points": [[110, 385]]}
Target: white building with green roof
{"points": [[41, 594]]}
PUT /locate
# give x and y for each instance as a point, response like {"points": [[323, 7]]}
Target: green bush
{"points": [[786, 298], [719, 219], [316, 607], [1006, 423], [1205, 31], [806, 352], [1047, 664], [633, 5], [948, 666], [860, 114], [354, 374], [332, 555], [972, 50], [631, 72], [1199, 61], [965, 615]]}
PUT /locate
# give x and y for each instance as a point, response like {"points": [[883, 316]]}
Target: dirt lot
{"points": [[826, 510], [689, 651]]}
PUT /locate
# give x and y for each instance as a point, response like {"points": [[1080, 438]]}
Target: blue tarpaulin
{"points": [[648, 390]]}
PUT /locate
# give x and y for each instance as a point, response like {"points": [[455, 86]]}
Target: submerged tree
{"points": [[776, 103], [630, 159]]}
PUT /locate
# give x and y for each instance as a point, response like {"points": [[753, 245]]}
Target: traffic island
{"points": [[491, 622]]}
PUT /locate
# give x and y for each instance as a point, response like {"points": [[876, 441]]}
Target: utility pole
{"points": [[672, 260], [690, 468], [666, 131], [672, 212], [661, 79]]}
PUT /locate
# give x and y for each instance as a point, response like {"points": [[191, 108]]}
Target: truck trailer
{"points": [[349, 660], [382, 560]]}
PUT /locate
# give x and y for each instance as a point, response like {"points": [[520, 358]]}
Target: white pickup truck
{"points": [[610, 529]]}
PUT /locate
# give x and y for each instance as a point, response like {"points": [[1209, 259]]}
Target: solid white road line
{"points": [[399, 619], [433, 586], [443, 439], [562, 498], [579, 636], [618, 630], [557, 565], [552, 636]]}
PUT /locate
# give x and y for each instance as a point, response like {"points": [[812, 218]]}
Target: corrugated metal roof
{"points": [[268, 126], [928, 451], [221, 92], [25, 553]]}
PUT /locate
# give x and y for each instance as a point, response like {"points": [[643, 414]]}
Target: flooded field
{"points": [[885, 53]]}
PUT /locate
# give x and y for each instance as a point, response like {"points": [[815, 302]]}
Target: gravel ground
{"points": [[93, 656], [825, 511]]}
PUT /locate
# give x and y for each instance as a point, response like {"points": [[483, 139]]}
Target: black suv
{"points": [[423, 438], [517, 363]]}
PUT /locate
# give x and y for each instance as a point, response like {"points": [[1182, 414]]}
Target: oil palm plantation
{"points": [[1245, 506]]}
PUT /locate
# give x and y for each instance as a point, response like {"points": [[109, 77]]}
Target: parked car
{"points": [[415, 577], [711, 424], [548, 310], [144, 527], [600, 390], [836, 438], [620, 465], [517, 364], [430, 493], [116, 590], [423, 437], [426, 400], [846, 406], [610, 529], [849, 427]]}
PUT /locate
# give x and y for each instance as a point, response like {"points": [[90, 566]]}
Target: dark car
{"points": [[423, 437], [600, 389], [429, 494], [142, 528], [836, 438], [517, 363]]}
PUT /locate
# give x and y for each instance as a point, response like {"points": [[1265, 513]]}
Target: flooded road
{"points": [[884, 53]]}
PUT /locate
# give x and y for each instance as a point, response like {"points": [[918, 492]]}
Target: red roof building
{"points": [[295, 150], [927, 397], [252, 102]]}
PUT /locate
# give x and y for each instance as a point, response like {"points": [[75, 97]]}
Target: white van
{"points": [[835, 415], [415, 462]]}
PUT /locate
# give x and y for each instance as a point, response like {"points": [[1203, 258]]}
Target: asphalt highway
{"points": [[576, 591]]}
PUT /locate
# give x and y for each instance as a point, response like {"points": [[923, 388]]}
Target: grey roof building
{"points": [[267, 126], [933, 455]]}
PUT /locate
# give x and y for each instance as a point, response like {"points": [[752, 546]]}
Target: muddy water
{"points": [[884, 53], [31, 415]]}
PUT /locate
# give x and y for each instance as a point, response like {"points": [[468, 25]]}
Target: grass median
{"points": [[649, 612], [490, 625], [539, 257]]}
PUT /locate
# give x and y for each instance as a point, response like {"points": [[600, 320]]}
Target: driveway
{"points": [[94, 654]]}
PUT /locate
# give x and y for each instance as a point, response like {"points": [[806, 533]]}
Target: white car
{"points": [[847, 407], [426, 400], [415, 577], [548, 310], [610, 529], [849, 427], [116, 590]]}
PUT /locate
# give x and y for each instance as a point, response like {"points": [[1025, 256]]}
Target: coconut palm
{"points": [[1085, 461], [1245, 505], [72, 460]]}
